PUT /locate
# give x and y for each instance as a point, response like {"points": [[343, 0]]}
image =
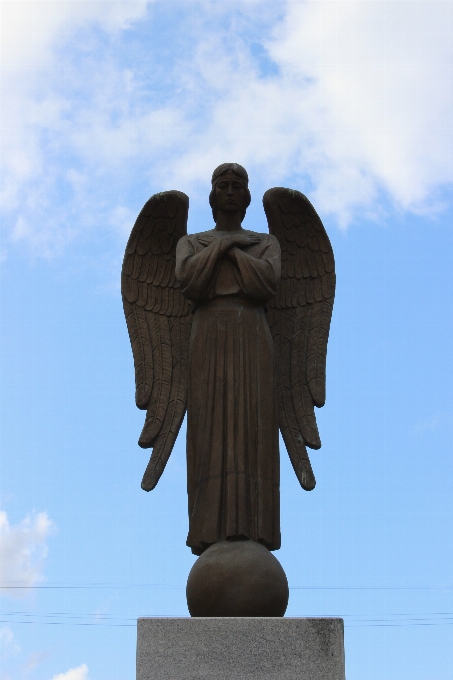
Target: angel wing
{"points": [[159, 321], [299, 319]]}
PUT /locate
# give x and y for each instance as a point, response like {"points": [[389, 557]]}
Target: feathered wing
{"points": [[299, 319], [159, 320]]}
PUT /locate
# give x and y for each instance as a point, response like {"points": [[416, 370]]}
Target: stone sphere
{"points": [[237, 578]]}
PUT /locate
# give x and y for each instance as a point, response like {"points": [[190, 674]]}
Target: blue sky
{"points": [[106, 103]]}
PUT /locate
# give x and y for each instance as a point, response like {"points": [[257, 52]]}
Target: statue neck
{"points": [[227, 221]]}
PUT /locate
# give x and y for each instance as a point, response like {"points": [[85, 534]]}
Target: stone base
{"points": [[240, 649]]}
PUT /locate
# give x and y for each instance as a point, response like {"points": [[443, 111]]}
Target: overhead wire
{"points": [[12, 586], [351, 620]]}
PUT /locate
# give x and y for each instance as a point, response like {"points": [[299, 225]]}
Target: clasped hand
{"points": [[229, 241]]}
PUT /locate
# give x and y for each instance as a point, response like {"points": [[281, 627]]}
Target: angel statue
{"points": [[231, 326]]}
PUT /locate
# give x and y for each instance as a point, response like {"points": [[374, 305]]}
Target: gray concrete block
{"points": [[240, 649]]}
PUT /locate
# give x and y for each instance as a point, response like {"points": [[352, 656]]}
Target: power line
{"points": [[172, 587], [134, 625], [105, 616], [351, 620], [65, 623]]}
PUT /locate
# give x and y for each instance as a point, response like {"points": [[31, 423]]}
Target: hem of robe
{"points": [[199, 549]]}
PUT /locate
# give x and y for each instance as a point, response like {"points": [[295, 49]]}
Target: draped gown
{"points": [[232, 425]]}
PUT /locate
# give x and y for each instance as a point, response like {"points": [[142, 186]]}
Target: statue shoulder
{"points": [[266, 238], [193, 238], [262, 234]]}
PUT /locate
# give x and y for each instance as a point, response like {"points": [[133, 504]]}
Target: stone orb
{"points": [[237, 578]]}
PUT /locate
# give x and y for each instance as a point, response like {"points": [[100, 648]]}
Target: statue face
{"points": [[230, 193]]}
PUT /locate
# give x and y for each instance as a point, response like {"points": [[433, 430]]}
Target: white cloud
{"points": [[8, 644], [22, 551], [79, 673], [358, 102], [434, 424], [363, 103], [31, 27], [34, 113], [383, 79]]}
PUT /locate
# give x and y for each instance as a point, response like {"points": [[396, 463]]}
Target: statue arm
{"points": [[260, 275], [194, 271]]}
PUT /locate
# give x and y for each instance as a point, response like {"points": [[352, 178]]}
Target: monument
{"points": [[231, 326]]}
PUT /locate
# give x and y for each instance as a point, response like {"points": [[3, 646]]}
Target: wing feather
{"points": [[301, 299], [144, 269], [166, 276], [160, 272], [128, 265], [157, 292], [329, 264], [282, 326], [290, 265], [317, 289], [320, 263], [174, 414], [312, 264], [309, 290], [172, 279], [153, 264], [130, 289], [299, 318], [137, 266], [141, 348], [169, 304], [303, 404], [316, 351], [142, 294], [159, 334], [304, 262]]}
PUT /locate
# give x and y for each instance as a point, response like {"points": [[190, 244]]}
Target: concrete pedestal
{"points": [[240, 649]]}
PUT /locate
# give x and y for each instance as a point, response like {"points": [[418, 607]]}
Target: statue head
{"points": [[235, 178]]}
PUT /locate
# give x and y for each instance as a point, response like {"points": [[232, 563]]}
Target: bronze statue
{"points": [[232, 326]]}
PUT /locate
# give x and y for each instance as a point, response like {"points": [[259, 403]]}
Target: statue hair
{"points": [[241, 173]]}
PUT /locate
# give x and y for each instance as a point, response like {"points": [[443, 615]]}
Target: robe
{"points": [[233, 466]]}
